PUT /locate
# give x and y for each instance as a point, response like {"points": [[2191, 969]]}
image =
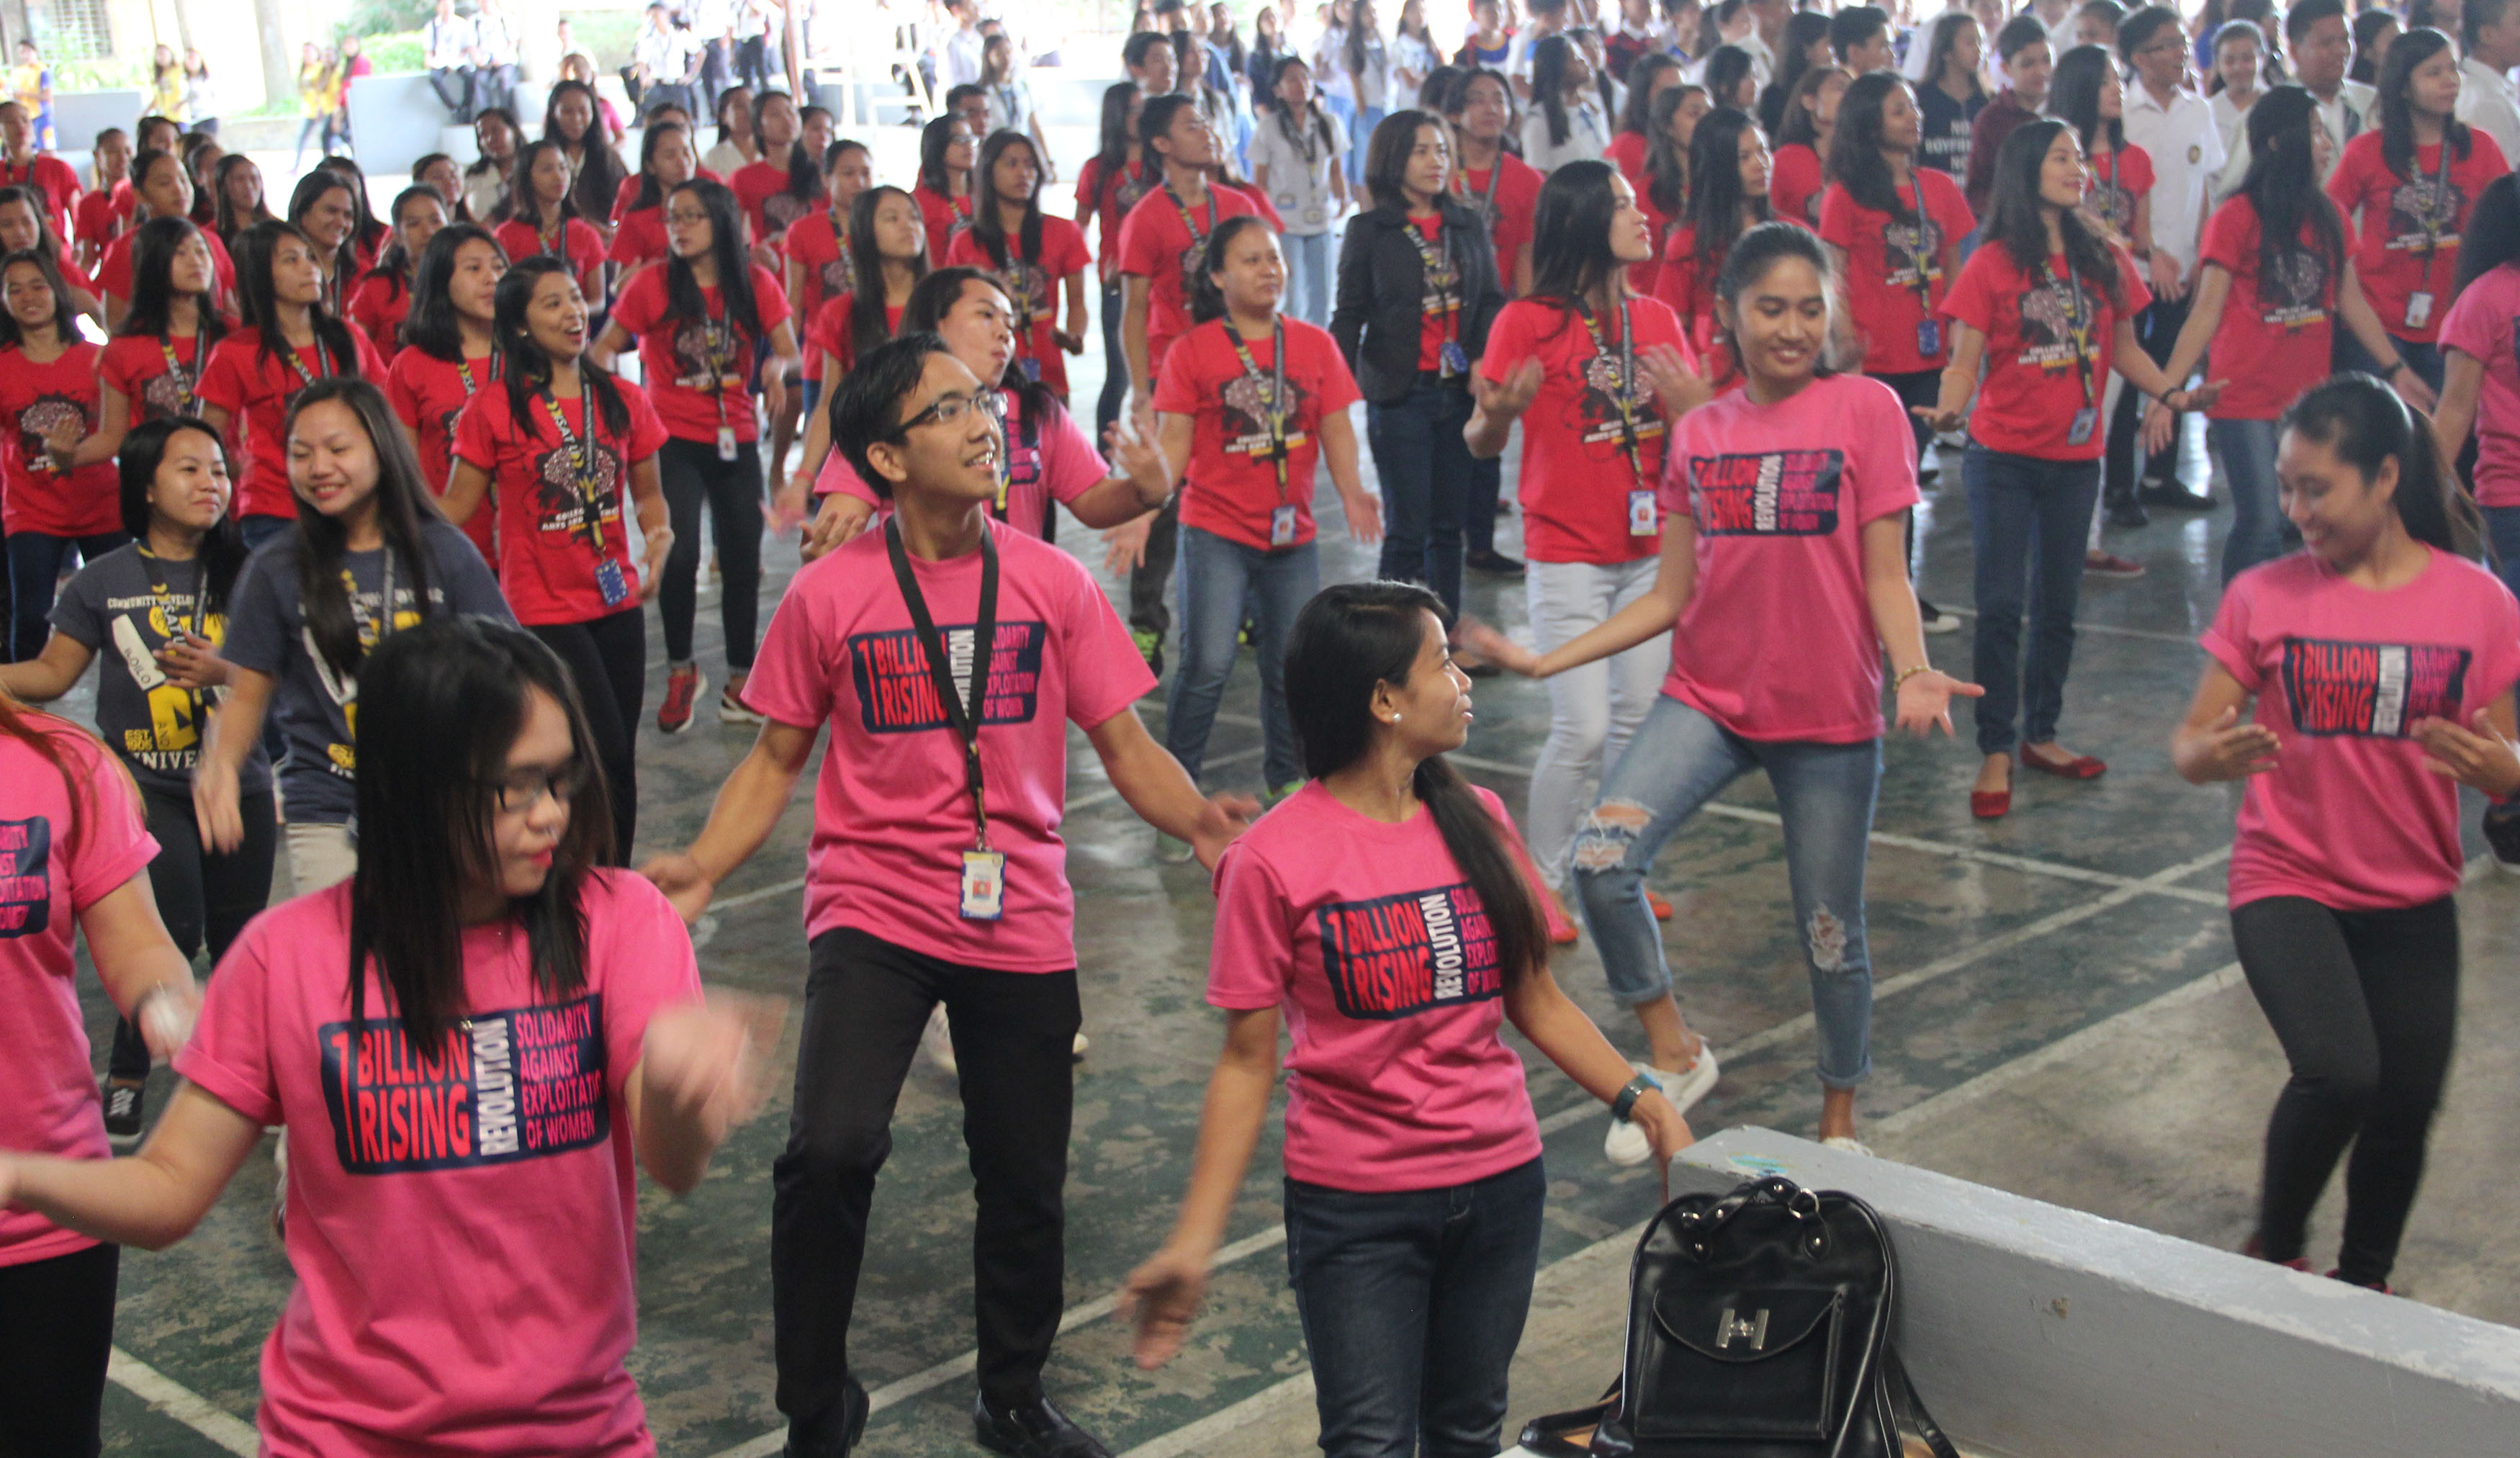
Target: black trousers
{"points": [[1148, 613], [201, 894], [693, 476], [866, 1002], [55, 1332], [607, 658], [2366, 1004], [2158, 329]]}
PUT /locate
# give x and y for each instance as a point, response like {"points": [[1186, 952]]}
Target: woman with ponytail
{"points": [[1414, 1181], [2381, 661]]}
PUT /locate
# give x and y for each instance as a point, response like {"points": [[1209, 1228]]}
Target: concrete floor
{"points": [[2056, 1017]]}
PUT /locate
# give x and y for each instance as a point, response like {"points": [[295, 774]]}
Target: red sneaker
{"points": [[683, 688], [2381, 1287], [2251, 1248]]}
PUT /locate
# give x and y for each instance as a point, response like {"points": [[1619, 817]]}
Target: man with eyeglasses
{"points": [[948, 651], [2175, 126]]}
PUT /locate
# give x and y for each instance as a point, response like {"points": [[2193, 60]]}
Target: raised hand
{"points": [[1511, 396], [838, 520], [2235, 750], [1925, 702], [705, 1059], [193, 661], [2475, 754], [1138, 452], [1675, 384], [1498, 648]]}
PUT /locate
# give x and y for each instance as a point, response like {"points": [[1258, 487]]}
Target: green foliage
{"points": [[373, 19], [605, 35]]}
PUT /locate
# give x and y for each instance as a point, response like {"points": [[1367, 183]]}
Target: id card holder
{"points": [[1282, 526], [1929, 336], [2419, 310], [2086, 419], [725, 442], [1641, 513], [1031, 368], [984, 886], [1453, 360], [609, 581]]}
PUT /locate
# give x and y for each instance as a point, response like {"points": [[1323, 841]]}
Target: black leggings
{"points": [[56, 1335], [2366, 1004], [199, 894], [693, 473], [609, 660]]}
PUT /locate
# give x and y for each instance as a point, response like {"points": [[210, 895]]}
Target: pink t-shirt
{"points": [[2350, 817], [57, 859], [2481, 326], [1371, 938], [1047, 459], [1779, 495], [892, 815], [463, 1223]]}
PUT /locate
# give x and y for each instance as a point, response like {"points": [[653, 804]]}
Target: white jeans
{"points": [[320, 856], [1592, 711]]}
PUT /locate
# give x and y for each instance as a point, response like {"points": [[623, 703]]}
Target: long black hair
{"points": [[404, 509], [1714, 196], [1116, 133], [1387, 154], [986, 227], [1570, 234], [528, 208], [682, 300], [1351, 639], [1357, 32], [1286, 124], [256, 304], [651, 192], [2015, 224], [1802, 122], [528, 369], [366, 230], [868, 324], [222, 550], [2074, 95], [936, 297], [1637, 114], [146, 159], [2365, 423], [432, 326], [302, 197], [598, 179], [1855, 160], [937, 139], [64, 313], [2283, 185], [1942, 35], [1666, 162], [440, 704], [230, 223], [2493, 235], [804, 173], [394, 260], [1727, 68], [1550, 56], [205, 209], [2419, 44], [1803, 31], [1207, 300], [154, 245]]}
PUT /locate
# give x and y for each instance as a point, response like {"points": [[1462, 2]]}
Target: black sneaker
{"points": [[2128, 513], [125, 1101], [832, 1433], [2501, 827], [1032, 1430], [1493, 562], [2171, 496]]}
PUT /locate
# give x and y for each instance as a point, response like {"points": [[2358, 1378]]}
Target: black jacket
{"points": [[1381, 295]]}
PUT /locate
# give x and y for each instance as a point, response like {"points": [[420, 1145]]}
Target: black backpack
{"points": [[1758, 1327]]}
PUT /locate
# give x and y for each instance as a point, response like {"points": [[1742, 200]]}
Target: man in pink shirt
{"points": [[949, 652]]}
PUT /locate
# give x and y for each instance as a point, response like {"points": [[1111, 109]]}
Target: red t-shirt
{"points": [[1894, 274], [504, 1153], [1794, 181], [2035, 375], [2118, 181], [2407, 239], [2352, 816], [1048, 459], [429, 395], [1159, 245], [575, 239], [1230, 485], [1779, 496], [641, 238], [136, 365], [1578, 479], [114, 269], [554, 530], [817, 245], [59, 855], [1035, 285], [379, 305], [1678, 286], [679, 363], [1440, 305], [768, 206], [255, 389], [34, 399], [627, 194], [892, 815], [59, 181], [2481, 326], [2270, 352], [942, 216], [830, 333], [1370, 938], [1111, 205], [1507, 211], [1627, 153], [100, 221]]}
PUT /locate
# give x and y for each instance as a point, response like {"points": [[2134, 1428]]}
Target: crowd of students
{"points": [[329, 467]]}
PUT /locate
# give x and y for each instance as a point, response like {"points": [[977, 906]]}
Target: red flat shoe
{"points": [[2079, 767], [1660, 907], [1990, 804]]}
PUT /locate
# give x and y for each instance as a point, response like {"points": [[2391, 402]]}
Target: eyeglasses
{"points": [[2169, 46], [523, 791], [686, 215], [948, 408]]}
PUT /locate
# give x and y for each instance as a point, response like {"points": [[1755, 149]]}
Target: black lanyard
{"points": [[552, 243], [940, 667], [182, 376], [1627, 393], [323, 362], [1275, 416], [2081, 326], [464, 367], [1929, 246], [1440, 273], [582, 460], [371, 633], [1197, 234], [179, 629]]}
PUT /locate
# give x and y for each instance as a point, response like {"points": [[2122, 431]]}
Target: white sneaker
{"points": [[1626, 1142], [1846, 1144], [937, 1039], [1173, 852], [1079, 1050]]}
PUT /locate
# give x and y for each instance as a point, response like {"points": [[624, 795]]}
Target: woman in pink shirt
{"points": [[1783, 543], [1388, 913], [523, 1025], [2381, 661], [2481, 368]]}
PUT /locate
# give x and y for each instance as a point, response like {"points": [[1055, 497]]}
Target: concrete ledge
{"points": [[2043, 1332]]}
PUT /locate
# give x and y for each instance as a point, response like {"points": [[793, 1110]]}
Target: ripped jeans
{"points": [[1678, 762]]}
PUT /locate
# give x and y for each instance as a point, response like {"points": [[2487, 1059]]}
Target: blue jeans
{"points": [[2503, 534], [1367, 119], [2422, 358], [1344, 115], [1219, 578], [1412, 1302], [1479, 508], [2246, 449], [1424, 467], [1308, 276], [2028, 519], [36, 562], [1676, 762], [1116, 359]]}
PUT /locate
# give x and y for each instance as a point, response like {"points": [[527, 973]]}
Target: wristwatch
{"points": [[1634, 1089]]}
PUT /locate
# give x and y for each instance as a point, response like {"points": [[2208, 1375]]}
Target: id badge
{"points": [[1455, 361], [2086, 419], [2420, 310], [1929, 336], [1641, 513], [609, 581], [1282, 526], [725, 442], [984, 886], [1031, 368]]}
